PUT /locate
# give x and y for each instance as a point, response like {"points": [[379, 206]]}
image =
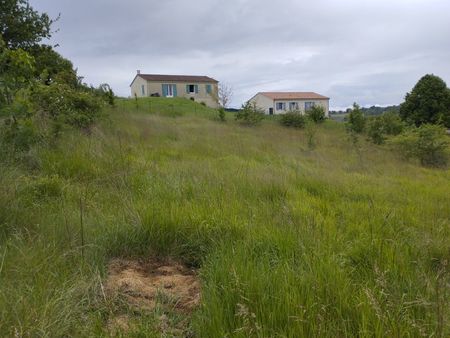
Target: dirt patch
{"points": [[164, 288]]}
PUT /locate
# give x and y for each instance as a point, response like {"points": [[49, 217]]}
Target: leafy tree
{"points": [[16, 69], [49, 63], [428, 102], [428, 143], [250, 114], [316, 114], [356, 121], [378, 127], [21, 26]]}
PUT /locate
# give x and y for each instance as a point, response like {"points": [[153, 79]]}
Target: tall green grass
{"points": [[289, 241]]}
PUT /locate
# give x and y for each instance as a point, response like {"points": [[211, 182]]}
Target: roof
{"points": [[177, 78], [294, 96]]}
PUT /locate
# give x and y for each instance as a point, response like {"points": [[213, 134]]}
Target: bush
{"points": [[61, 103], [316, 114], [356, 121], [293, 119], [221, 112], [250, 114], [388, 123], [428, 143], [20, 134]]}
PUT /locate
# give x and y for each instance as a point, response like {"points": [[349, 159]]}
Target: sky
{"points": [[371, 52]]}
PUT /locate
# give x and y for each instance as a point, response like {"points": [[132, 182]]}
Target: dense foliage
{"points": [[428, 102], [379, 127], [427, 143], [250, 114], [40, 92], [293, 119], [316, 114], [356, 121]]}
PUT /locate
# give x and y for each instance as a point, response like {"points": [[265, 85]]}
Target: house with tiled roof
{"points": [[281, 102], [194, 87]]}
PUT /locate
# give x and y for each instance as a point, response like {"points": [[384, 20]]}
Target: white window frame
{"points": [[283, 105], [170, 90], [309, 105], [193, 87], [293, 105], [143, 90]]}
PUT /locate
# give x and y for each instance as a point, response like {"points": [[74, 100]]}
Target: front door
{"points": [[270, 111]]}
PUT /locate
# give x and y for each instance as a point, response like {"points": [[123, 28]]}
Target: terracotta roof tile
{"points": [[294, 96]]}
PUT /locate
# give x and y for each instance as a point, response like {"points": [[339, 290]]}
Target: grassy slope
{"points": [[289, 241]]}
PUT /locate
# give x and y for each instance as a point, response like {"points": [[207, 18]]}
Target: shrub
{"points": [[356, 121], [428, 143], [375, 130], [250, 114], [60, 102], [316, 114], [20, 134], [221, 112], [388, 123], [293, 119]]}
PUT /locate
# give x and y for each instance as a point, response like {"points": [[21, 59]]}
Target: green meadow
{"points": [[288, 240]]}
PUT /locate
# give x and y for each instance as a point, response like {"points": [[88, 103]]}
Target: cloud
{"points": [[371, 52]]}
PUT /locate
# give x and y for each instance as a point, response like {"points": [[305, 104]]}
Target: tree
{"points": [[356, 121], [316, 114], [428, 102], [21, 26], [250, 114], [224, 95], [16, 69]]}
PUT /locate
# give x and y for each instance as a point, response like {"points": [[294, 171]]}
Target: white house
{"points": [[282, 102], [194, 87]]}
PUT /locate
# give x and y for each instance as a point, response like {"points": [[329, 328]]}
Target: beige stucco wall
{"points": [[265, 103], [262, 102], [152, 87], [136, 87]]}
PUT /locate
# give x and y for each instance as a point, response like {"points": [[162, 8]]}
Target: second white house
{"points": [[282, 102]]}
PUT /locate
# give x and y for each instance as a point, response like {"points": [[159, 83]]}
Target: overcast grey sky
{"points": [[370, 51]]}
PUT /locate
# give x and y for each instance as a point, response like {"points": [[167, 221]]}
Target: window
{"points": [[143, 90], [208, 89], [293, 106], [169, 90], [280, 106], [309, 105], [192, 89]]}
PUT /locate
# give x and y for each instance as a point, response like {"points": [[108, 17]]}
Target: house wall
{"points": [[263, 102], [136, 89], [266, 103], [152, 87], [301, 105]]}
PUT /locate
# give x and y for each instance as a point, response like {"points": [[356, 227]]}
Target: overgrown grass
{"points": [[289, 241]]}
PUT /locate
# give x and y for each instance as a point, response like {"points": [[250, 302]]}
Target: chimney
{"points": [[138, 71]]}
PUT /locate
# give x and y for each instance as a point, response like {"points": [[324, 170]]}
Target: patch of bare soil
{"points": [[150, 286]]}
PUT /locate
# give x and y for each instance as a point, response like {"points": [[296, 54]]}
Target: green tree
{"points": [[428, 102], [16, 72], [316, 114], [356, 121], [250, 114], [21, 26]]}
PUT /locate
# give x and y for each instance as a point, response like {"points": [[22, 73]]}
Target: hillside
{"points": [[286, 241]]}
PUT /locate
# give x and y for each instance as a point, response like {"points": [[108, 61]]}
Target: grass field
{"points": [[288, 241]]}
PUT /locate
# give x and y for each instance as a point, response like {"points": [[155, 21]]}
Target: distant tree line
{"points": [[41, 93]]}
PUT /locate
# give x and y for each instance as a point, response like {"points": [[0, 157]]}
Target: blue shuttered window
{"points": [[164, 90], [208, 89], [169, 90]]}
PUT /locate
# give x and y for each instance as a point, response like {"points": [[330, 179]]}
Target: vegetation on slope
{"points": [[289, 241]]}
